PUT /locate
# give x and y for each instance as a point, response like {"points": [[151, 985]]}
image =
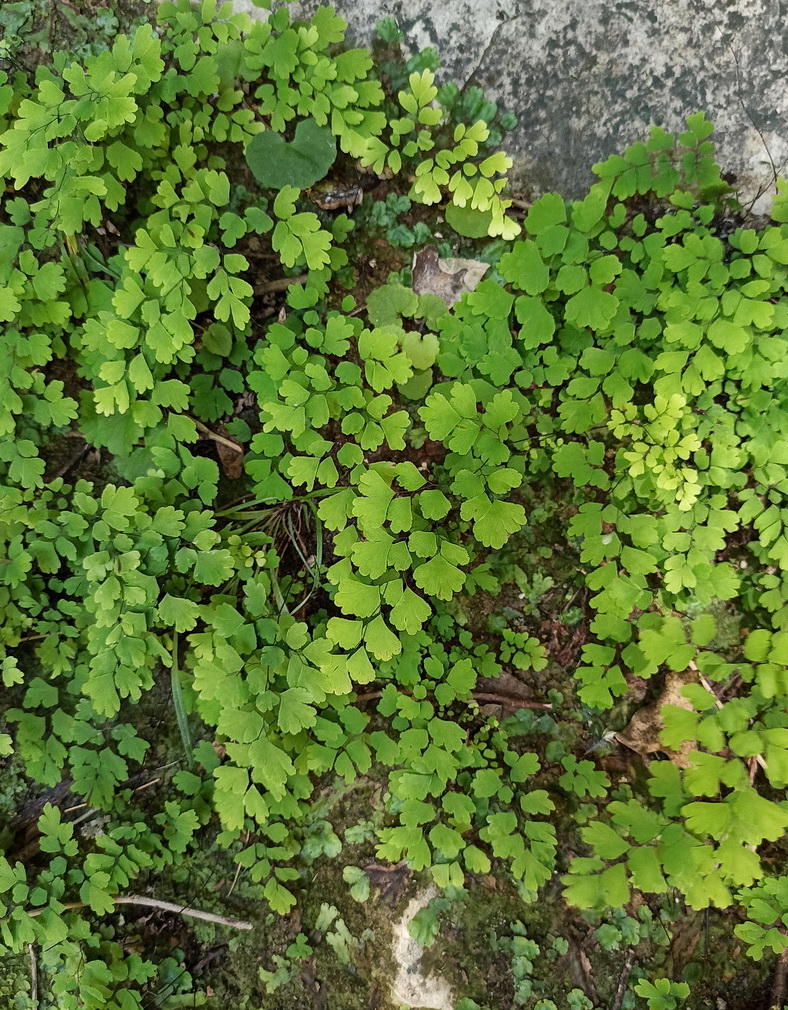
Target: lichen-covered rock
{"points": [[412, 985], [587, 78]]}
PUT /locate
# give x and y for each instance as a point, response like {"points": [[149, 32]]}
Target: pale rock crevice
{"points": [[410, 986]]}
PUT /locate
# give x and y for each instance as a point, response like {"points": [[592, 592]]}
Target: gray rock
{"points": [[587, 77]]}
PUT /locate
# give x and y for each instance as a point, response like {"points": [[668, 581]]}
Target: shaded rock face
{"points": [[587, 77]]}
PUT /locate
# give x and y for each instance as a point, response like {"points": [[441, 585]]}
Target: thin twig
{"points": [[238, 869], [87, 816], [371, 696], [33, 976], [137, 789], [623, 978], [165, 906], [146, 785], [194, 913]]}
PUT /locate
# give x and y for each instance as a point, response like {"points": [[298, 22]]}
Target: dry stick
{"points": [[194, 913], [217, 438], [33, 976], [510, 699], [780, 980], [281, 283], [166, 906], [626, 971]]}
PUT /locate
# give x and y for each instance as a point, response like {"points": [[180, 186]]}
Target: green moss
{"points": [[35, 29], [323, 979], [467, 952]]}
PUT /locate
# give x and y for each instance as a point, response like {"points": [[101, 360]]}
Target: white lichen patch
{"points": [[411, 986]]}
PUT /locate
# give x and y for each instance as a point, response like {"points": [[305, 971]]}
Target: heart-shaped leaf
{"points": [[275, 163], [421, 349], [467, 222]]}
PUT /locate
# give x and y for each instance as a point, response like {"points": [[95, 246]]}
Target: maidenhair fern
{"points": [[312, 623]]}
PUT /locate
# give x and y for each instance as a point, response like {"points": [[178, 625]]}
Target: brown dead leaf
{"points": [[563, 643], [390, 880], [643, 734], [449, 279], [231, 459]]}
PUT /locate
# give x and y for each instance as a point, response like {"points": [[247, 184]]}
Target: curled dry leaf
{"points": [[504, 695], [389, 879], [449, 279], [643, 734]]}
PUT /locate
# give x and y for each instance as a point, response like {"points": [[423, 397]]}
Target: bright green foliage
{"points": [[286, 967], [662, 994], [126, 297], [313, 622], [522, 651], [103, 978], [475, 184], [766, 906], [359, 882], [713, 817], [583, 777]]}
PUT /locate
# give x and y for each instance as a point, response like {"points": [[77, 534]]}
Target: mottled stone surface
{"points": [[588, 77], [411, 987]]}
